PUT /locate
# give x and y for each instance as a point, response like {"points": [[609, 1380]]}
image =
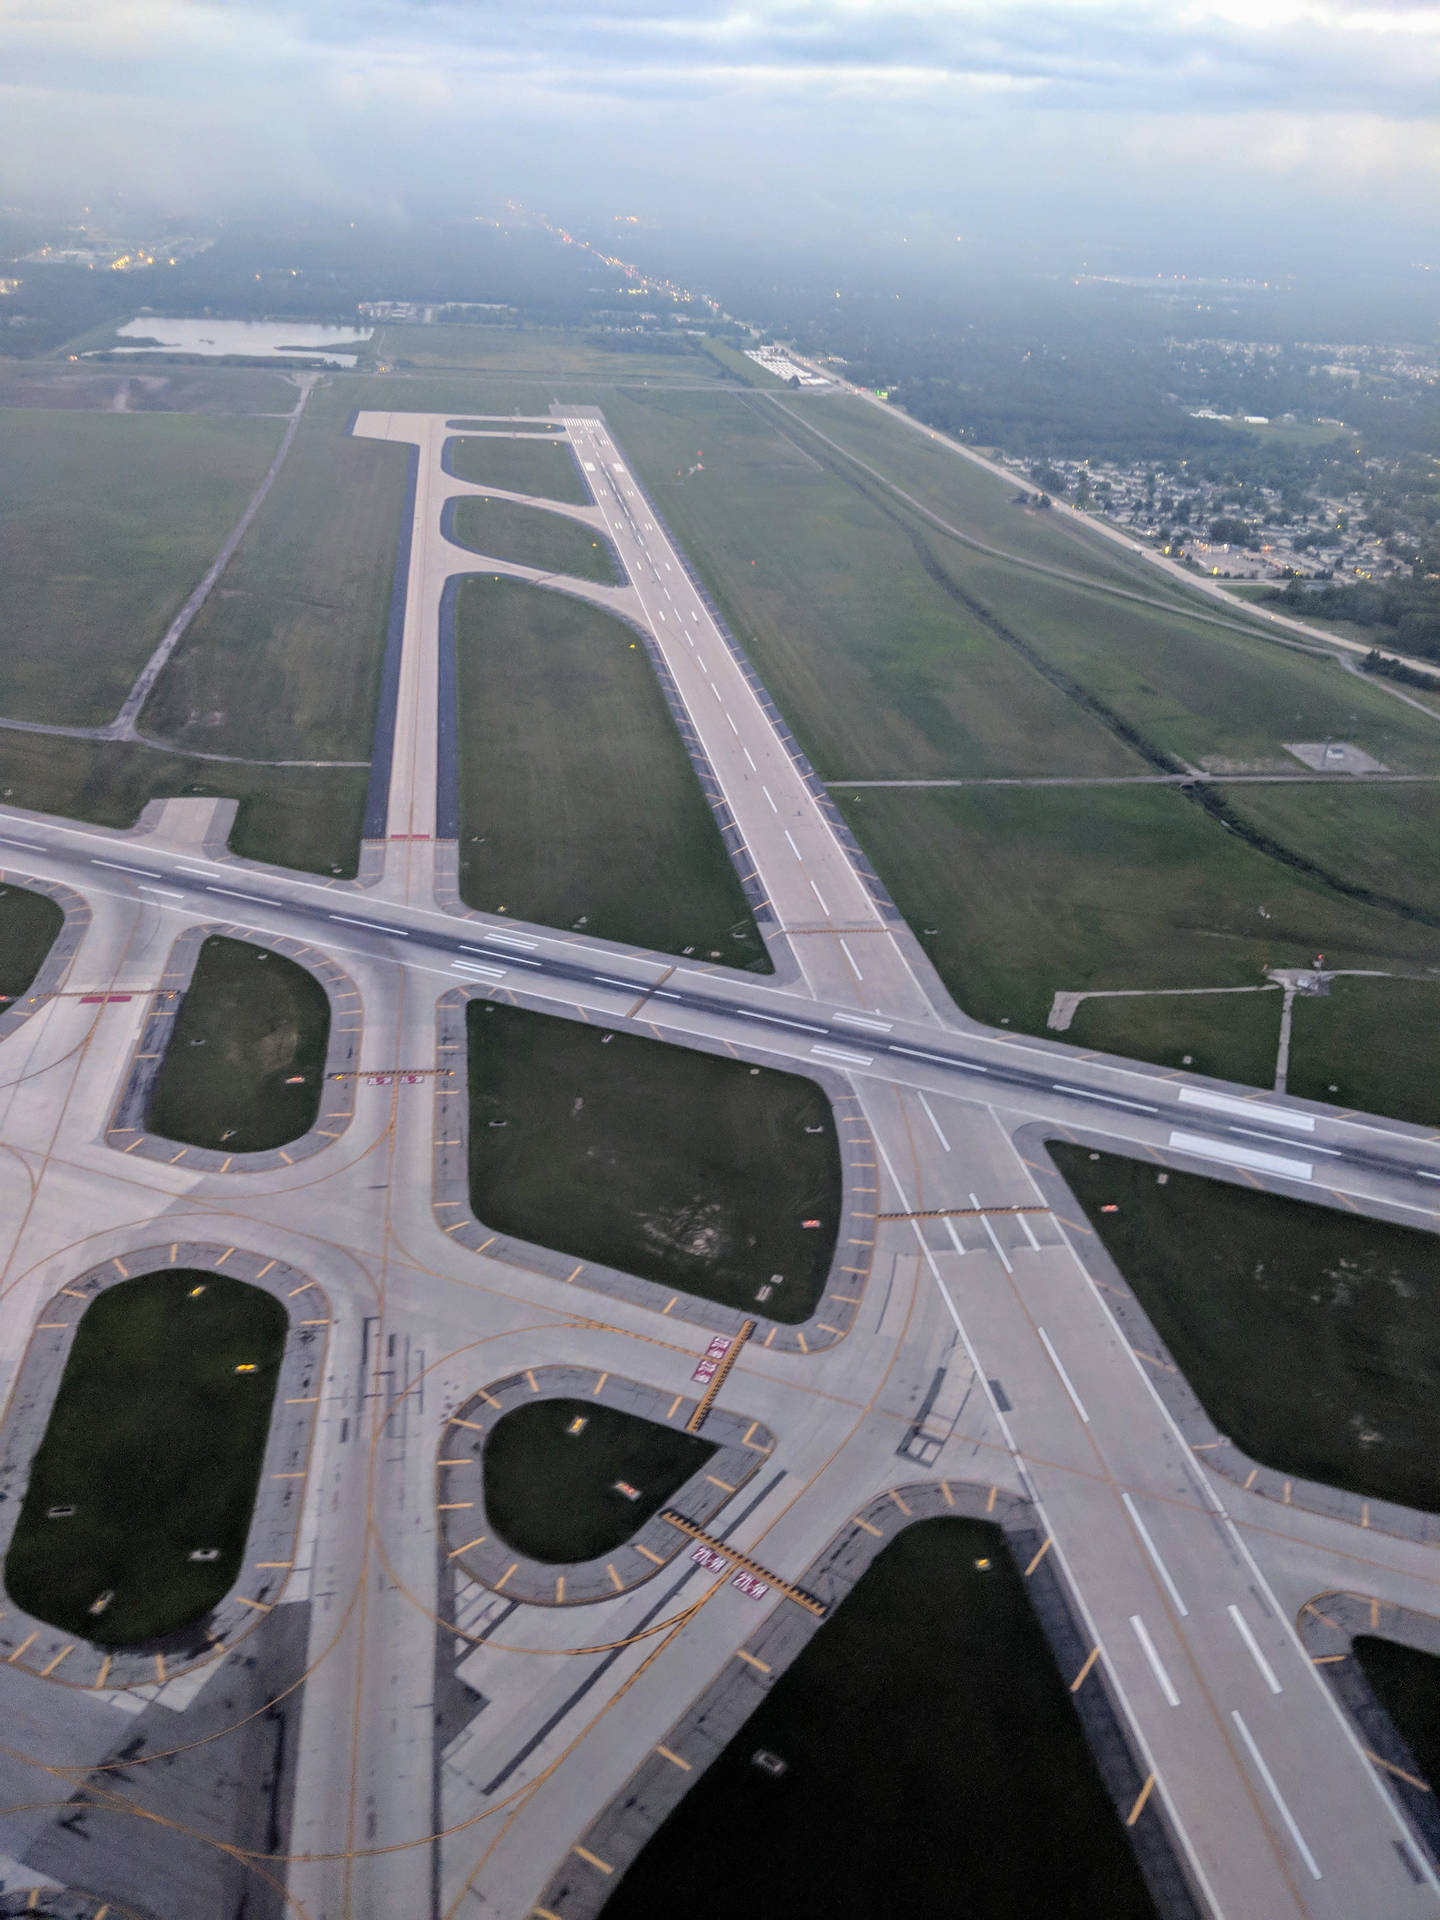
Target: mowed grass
{"points": [[1230, 1036], [283, 662], [578, 803], [301, 817], [1311, 1336], [1017, 893], [1373, 1045], [29, 923], [156, 1441], [250, 1023], [1212, 698], [551, 1494], [685, 1168], [535, 350], [934, 1764], [1384, 837], [545, 468], [532, 537], [879, 669], [172, 389], [1406, 1681], [107, 521]]}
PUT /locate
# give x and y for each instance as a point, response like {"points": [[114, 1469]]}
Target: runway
{"points": [[1187, 1585]]}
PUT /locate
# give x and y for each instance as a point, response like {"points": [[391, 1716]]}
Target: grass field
{"points": [[1030, 891], [304, 817], [551, 1494], [685, 1168], [879, 670], [29, 923], [1232, 1036], [535, 465], [156, 1441], [106, 523], [1382, 837], [1311, 1336], [1407, 1684], [934, 1765], [283, 662], [533, 538], [250, 1021], [536, 350], [578, 803], [1374, 1045], [43, 383]]}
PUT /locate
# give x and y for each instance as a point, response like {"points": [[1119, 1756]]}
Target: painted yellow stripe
{"points": [[675, 1760]]}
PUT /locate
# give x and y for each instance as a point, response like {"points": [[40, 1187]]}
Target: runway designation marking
{"points": [[1147, 1647], [1275, 1794]]}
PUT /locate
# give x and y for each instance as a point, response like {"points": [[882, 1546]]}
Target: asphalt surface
{"points": [[981, 1339]]}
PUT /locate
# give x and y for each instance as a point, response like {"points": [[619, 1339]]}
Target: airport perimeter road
{"points": [[452, 1743]]}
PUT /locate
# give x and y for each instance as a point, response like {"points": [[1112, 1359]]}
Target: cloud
{"points": [[864, 103]]}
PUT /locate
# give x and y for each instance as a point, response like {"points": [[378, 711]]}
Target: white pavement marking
{"points": [[839, 1053], [779, 1020], [863, 1020], [168, 892], [1207, 1149], [1147, 1647], [854, 964], [1005, 1262], [254, 899], [1065, 1380], [474, 966], [919, 1053], [934, 1122], [1113, 1099], [1242, 1627], [766, 791], [1311, 1146], [372, 926], [1275, 1794], [1227, 1103], [120, 867], [1154, 1553], [793, 848], [826, 911]]}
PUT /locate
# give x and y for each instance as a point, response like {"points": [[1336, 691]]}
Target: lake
{"points": [[288, 339]]}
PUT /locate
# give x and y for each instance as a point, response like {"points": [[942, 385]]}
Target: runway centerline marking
{"points": [[1154, 1553], [1157, 1666], [1275, 1794]]}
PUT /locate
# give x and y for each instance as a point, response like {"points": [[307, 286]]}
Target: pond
{"points": [[284, 339]]}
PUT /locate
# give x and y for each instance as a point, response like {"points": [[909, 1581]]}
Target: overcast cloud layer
{"points": [[1293, 115]]}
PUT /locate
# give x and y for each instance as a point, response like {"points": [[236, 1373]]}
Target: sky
{"points": [[1251, 128]]}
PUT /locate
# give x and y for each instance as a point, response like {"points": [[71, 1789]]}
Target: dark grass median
{"points": [[531, 537], [685, 1168], [579, 806], [1406, 1682], [156, 1442], [244, 1065], [552, 1474], [1310, 1336], [933, 1765], [534, 465], [29, 923]]}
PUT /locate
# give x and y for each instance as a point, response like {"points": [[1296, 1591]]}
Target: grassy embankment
{"points": [[933, 1764], [1310, 1336], [533, 538], [251, 1020], [551, 1493], [686, 1168], [898, 653], [156, 1441], [29, 923], [578, 804]]}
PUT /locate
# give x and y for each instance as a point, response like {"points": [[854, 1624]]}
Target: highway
{"points": [[1188, 1585]]}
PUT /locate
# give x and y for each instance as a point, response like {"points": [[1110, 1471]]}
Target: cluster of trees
{"points": [[1405, 613]]}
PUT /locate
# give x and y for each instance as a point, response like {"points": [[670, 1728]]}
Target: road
{"points": [[410, 1798]]}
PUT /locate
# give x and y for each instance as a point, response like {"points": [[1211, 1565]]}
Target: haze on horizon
{"points": [[1240, 135]]}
